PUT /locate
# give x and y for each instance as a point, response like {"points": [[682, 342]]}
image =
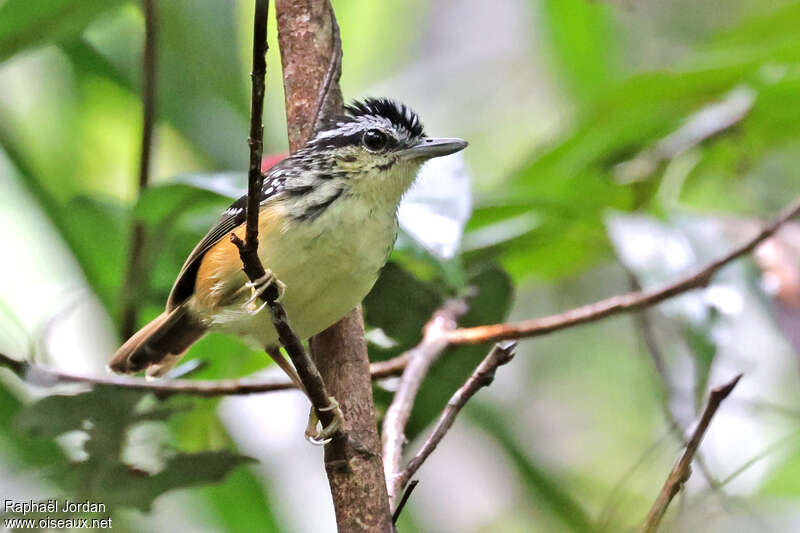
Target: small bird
{"points": [[327, 223]]}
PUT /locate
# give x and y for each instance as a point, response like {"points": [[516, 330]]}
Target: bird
{"points": [[327, 224]]}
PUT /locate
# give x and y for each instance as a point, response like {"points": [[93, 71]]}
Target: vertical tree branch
{"points": [[308, 36], [255, 179], [248, 250], [682, 470], [133, 276]]}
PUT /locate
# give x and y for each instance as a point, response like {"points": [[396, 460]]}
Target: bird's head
{"points": [[376, 149]]}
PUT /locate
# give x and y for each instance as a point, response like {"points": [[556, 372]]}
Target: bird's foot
{"points": [[258, 287], [320, 437]]}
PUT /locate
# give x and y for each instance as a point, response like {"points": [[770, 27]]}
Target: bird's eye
{"points": [[374, 140]]}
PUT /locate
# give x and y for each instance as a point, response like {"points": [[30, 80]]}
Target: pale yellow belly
{"points": [[328, 266]]}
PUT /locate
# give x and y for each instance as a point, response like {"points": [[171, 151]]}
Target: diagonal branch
{"points": [[501, 354], [419, 360], [248, 250], [618, 304], [682, 470]]}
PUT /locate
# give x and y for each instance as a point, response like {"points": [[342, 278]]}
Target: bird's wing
{"points": [[231, 218], [184, 284]]}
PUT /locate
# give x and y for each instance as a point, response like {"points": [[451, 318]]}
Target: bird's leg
{"points": [[275, 354], [318, 437], [323, 436], [258, 287]]}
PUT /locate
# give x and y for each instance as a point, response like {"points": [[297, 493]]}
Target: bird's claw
{"points": [[258, 287], [323, 436]]}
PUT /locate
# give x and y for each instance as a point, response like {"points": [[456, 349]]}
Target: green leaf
{"points": [[582, 39], [57, 414], [105, 414], [547, 490], [167, 200], [241, 504], [25, 24], [120, 485], [28, 450], [400, 304], [99, 236]]}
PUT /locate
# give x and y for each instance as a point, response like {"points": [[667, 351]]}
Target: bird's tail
{"points": [[158, 345]]}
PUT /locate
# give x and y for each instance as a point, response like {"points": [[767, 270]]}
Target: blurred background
{"points": [[612, 145]]}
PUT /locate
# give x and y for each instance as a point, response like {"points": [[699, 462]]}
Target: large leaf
{"points": [[581, 38], [169, 199], [26, 449], [241, 504], [122, 486], [400, 304], [25, 24], [106, 414], [99, 235], [57, 414]]}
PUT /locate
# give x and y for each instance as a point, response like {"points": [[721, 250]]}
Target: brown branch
{"points": [[311, 54], [682, 470], [48, 377], [419, 360], [311, 57], [45, 376], [248, 250], [134, 274], [404, 500], [617, 304], [255, 179], [501, 354]]}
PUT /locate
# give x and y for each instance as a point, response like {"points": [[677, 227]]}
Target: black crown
{"points": [[400, 115]]}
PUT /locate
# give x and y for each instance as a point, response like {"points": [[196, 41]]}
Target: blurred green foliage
{"points": [[74, 147]]}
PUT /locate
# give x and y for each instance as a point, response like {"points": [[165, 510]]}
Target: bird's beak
{"points": [[433, 147]]}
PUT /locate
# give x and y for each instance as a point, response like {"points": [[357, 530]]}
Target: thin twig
{"points": [[248, 250], [134, 275], [682, 470], [404, 500], [45, 376], [646, 328], [49, 377], [501, 354], [617, 304], [419, 361]]}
